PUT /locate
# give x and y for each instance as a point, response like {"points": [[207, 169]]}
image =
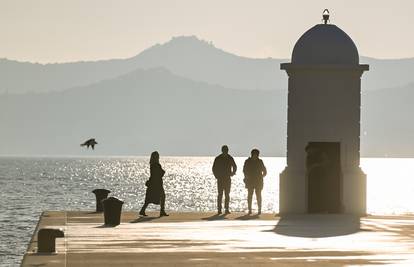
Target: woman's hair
{"points": [[155, 157]]}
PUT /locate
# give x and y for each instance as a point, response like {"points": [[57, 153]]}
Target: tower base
{"points": [[293, 192]]}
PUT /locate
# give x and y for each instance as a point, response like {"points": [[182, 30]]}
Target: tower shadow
{"points": [[317, 225]]}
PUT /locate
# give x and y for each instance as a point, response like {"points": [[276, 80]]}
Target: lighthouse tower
{"points": [[323, 134]]}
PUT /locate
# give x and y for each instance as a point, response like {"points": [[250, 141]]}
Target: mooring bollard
{"points": [[100, 195], [46, 240], [112, 211]]}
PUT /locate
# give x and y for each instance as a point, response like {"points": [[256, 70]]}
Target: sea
{"points": [[29, 186]]}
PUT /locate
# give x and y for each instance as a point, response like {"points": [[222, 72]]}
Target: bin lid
{"points": [[112, 200], [101, 190]]}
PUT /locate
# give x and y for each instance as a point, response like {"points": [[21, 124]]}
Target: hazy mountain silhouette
{"points": [[140, 112], [387, 73], [202, 61], [21, 77], [146, 110], [187, 57], [184, 97], [386, 126]]}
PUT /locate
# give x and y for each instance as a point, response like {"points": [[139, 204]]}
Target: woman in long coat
{"points": [[155, 190]]}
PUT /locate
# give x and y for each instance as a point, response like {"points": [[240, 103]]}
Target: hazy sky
{"points": [[72, 30]]}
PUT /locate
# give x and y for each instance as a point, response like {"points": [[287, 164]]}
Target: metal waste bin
{"points": [[100, 195], [46, 239], [112, 211]]}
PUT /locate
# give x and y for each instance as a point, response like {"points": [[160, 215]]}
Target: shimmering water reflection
{"points": [[390, 185]]}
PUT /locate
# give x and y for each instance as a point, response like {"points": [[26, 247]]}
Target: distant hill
{"points": [[188, 57], [387, 73], [142, 111], [202, 61], [145, 110], [387, 122], [23, 77], [185, 56]]}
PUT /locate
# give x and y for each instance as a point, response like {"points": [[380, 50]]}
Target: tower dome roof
{"points": [[325, 44]]}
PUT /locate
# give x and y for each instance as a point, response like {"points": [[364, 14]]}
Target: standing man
{"points": [[223, 168], [254, 170]]}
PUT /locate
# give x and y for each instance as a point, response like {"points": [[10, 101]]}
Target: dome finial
{"points": [[325, 16]]}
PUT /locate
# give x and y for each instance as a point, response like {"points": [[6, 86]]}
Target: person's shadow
{"points": [[215, 217], [143, 219], [106, 226], [247, 217], [317, 225]]}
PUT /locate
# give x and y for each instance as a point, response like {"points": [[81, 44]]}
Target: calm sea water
{"points": [[31, 185]]}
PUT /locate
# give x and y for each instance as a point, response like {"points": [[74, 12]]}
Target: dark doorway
{"points": [[323, 165]]}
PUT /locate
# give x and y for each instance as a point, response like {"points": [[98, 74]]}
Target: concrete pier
{"points": [[203, 239]]}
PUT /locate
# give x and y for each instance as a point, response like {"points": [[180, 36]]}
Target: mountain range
{"points": [[184, 97], [189, 57]]}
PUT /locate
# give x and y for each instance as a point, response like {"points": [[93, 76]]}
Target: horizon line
{"points": [[162, 156]]}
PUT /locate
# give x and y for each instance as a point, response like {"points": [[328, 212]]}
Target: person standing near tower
{"points": [[254, 170], [223, 168]]}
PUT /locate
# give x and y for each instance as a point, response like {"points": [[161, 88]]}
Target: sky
{"points": [[49, 31]]}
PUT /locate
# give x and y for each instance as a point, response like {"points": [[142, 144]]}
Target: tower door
{"points": [[323, 167]]}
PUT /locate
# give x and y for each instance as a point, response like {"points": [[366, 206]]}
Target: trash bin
{"points": [[46, 238], [100, 195], [112, 211]]}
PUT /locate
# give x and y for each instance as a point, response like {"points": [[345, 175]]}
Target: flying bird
{"points": [[90, 143]]}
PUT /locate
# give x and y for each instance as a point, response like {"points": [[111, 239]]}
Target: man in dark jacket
{"points": [[223, 168], [254, 170]]}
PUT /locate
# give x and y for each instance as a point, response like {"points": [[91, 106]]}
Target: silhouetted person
{"points": [[155, 190], [223, 168], [90, 143], [254, 170]]}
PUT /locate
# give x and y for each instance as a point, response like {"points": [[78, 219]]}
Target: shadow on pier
{"points": [[144, 219], [215, 217], [218, 217], [248, 217], [317, 225]]}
